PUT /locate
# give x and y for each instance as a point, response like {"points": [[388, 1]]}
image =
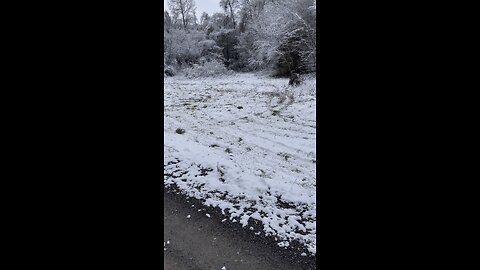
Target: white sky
{"points": [[209, 6]]}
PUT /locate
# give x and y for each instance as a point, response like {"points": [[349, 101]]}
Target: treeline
{"points": [[249, 35]]}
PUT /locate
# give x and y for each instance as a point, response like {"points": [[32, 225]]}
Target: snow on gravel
{"points": [[246, 144]]}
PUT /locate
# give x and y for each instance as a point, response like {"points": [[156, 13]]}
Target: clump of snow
{"points": [[249, 148]]}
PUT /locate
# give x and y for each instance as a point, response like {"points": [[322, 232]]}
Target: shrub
{"points": [[169, 71], [207, 69]]}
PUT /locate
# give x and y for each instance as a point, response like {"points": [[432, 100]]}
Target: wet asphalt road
{"points": [[204, 243]]}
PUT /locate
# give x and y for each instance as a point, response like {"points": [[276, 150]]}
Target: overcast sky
{"points": [[209, 6]]}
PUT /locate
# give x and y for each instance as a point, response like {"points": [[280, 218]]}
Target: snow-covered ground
{"points": [[246, 144]]}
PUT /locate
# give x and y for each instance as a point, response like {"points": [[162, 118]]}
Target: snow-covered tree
{"points": [[183, 11], [276, 35], [230, 7]]}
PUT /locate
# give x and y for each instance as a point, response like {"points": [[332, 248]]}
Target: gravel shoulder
{"points": [[202, 242]]}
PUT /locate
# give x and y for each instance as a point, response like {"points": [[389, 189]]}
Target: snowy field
{"points": [[246, 144]]}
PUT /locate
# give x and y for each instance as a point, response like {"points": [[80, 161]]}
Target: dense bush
{"points": [[206, 69], [278, 36]]}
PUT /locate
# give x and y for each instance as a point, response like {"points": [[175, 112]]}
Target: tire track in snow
{"points": [[264, 140]]}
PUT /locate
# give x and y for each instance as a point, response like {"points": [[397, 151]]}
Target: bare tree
{"points": [[230, 6], [182, 9]]}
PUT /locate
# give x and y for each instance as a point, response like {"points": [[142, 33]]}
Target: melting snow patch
{"points": [[257, 164]]}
